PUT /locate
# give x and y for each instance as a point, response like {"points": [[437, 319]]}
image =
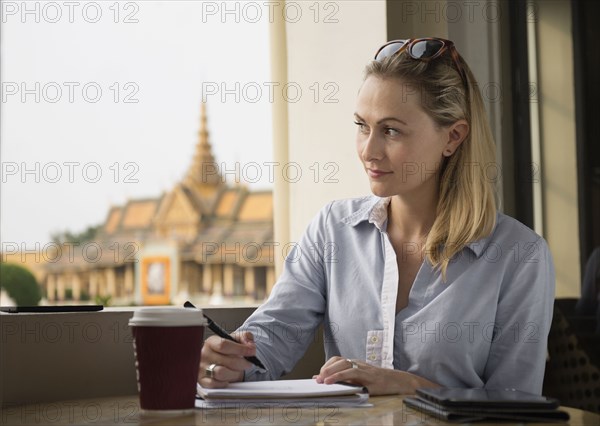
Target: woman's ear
{"points": [[457, 133]]}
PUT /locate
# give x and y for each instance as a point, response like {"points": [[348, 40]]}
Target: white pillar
{"points": [[129, 279], [111, 288], [51, 287], [207, 278], [281, 190], [60, 287], [93, 284], [76, 286], [270, 280], [228, 280], [249, 281]]}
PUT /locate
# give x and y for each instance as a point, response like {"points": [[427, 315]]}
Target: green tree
{"points": [[102, 300], [20, 284], [76, 237]]}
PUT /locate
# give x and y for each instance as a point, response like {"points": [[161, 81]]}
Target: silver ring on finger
{"points": [[209, 371], [354, 365]]}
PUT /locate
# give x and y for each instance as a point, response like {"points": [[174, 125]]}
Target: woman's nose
{"points": [[372, 148]]}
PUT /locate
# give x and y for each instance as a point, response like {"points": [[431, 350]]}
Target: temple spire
{"points": [[204, 169]]}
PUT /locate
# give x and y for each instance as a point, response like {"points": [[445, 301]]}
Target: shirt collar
{"points": [[375, 212], [374, 207]]}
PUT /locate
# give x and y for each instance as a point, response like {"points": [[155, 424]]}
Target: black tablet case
{"points": [[470, 405]]}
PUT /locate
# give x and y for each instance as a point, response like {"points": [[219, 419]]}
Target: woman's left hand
{"points": [[379, 381]]}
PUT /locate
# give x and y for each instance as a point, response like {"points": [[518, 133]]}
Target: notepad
{"points": [[305, 392]]}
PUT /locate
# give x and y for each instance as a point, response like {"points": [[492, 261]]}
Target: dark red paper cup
{"points": [[167, 345]]}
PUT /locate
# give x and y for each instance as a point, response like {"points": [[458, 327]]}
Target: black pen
{"points": [[222, 333]]}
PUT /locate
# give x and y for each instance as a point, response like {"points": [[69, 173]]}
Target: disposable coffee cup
{"points": [[167, 343]]}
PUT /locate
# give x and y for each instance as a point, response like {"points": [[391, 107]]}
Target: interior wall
{"points": [[475, 28], [410, 19], [326, 56], [558, 144], [325, 60]]}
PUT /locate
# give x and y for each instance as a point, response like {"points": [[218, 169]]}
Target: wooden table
{"points": [[387, 410]]}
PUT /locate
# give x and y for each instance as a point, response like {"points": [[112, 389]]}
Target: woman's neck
{"points": [[412, 215]]}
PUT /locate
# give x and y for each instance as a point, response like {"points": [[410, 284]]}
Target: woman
{"points": [[424, 283]]}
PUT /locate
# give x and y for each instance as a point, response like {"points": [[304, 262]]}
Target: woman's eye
{"points": [[362, 127], [391, 131]]}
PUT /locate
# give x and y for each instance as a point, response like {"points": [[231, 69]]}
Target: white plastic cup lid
{"points": [[167, 317]]}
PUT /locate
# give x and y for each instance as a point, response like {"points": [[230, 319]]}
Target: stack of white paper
{"points": [[297, 393]]}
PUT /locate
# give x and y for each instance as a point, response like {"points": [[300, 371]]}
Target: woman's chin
{"points": [[381, 191]]}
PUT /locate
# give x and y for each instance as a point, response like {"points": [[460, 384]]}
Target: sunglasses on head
{"points": [[422, 49]]}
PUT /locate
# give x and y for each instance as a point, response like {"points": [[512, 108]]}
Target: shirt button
{"points": [[372, 357], [374, 339]]}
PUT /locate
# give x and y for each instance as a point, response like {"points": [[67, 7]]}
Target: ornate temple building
{"points": [[202, 239]]}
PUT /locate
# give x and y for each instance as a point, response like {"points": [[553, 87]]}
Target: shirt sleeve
{"points": [[518, 349], [285, 325]]}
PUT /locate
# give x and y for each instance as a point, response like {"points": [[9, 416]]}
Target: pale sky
{"points": [[64, 138]]}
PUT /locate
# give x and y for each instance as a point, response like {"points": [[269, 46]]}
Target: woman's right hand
{"points": [[228, 357]]}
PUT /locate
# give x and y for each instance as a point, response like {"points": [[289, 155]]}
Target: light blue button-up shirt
{"points": [[485, 326]]}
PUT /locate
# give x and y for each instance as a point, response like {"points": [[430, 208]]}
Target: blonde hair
{"points": [[466, 209]]}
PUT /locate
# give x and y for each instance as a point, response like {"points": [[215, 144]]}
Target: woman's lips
{"points": [[374, 173]]}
